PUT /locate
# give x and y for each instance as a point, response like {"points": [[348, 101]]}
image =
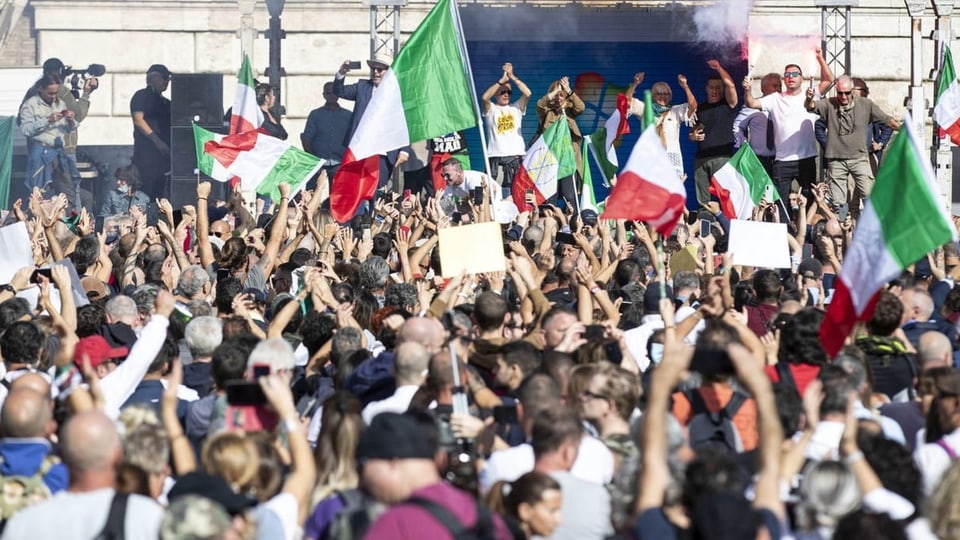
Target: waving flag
{"points": [[947, 110], [648, 188], [603, 139], [904, 219], [424, 94], [246, 114], [741, 183], [549, 158]]}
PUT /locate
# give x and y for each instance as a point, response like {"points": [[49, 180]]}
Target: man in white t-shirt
{"points": [[796, 147], [505, 146]]}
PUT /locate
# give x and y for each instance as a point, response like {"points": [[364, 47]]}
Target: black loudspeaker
{"points": [[196, 98], [183, 190]]}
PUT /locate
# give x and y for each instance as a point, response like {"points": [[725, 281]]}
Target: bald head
{"points": [[917, 305], [424, 330], [25, 414], [33, 381], [412, 361], [90, 443], [833, 227], [934, 350]]}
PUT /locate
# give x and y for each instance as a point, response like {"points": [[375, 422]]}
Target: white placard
{"points": [[759, 244]]}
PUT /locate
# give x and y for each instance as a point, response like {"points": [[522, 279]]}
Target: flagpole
{"points": [[593, 152], [473, 89], [661, 273]]}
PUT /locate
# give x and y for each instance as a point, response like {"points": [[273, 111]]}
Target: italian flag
{"points": [[648, 189], [424, 94], [588, 195], [547, 160], [205, 161], [741, 183], [603, 140], [904, 219], [262, 161], [246, 114], [947, 110]]}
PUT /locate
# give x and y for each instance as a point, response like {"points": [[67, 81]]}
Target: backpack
{"points": [[18, 491], [355, 518], [481, 530], [714, 429]]}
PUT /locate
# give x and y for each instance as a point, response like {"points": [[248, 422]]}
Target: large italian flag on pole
{"points": [[262, 161], [904, 219], [741, 183], [947, 110], [547, 160], [246, 114], [424, 94], [648, 188]]}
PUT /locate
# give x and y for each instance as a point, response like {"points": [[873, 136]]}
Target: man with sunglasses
{"points": [[848, 118], [796, 147], [505, 145]]}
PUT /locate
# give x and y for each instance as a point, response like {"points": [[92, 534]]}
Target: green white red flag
{"points": [[903, 220], [548, 159], [741, 183], [246, 114], [424, 94]]}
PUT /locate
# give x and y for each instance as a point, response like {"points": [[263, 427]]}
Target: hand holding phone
{"points": [[354, 64]]}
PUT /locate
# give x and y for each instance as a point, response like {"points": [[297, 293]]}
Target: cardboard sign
{"points": [[475, 248]]}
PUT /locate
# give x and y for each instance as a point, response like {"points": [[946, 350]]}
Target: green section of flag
{"points": [[431, 73], [294, 167], [905, 200], [204, 160], [598, 143], [648, 119], [947, 73], [557, 139], [6, 158], [745, 162], [245, 76]]}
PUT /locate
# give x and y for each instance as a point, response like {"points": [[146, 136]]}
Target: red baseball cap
{"points": [[98, 350]]}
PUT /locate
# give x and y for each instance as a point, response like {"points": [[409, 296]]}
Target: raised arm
{"points": [[730, 89], [269, 258], [748, 99], [691, 100], [203, 225], [826, 74]]}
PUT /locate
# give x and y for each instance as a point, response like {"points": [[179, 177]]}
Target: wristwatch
{"points": [[8, 287]]}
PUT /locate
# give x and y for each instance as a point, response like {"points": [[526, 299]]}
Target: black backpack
{"points": [[481, 530], [714, 429]]}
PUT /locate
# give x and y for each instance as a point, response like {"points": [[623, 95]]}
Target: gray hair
{"points": [[203, 335], [374, 273], [147, 448], [274, 352], [411, 363], [121, 308], [685, 280], [146, 298], [192, 280], [829, 492]]}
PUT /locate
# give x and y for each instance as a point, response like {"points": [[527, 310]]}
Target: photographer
{"points": [[41, 168]]}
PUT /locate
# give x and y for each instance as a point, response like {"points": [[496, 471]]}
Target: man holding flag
{"points": [[424, 93]]}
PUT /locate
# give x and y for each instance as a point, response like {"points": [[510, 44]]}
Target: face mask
{"points": [[124, 189], [656, 353]]}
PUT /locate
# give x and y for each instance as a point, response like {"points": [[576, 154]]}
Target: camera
{"points": [[77, 77]]}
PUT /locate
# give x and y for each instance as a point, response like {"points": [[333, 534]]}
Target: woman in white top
{"points": [[669, 117]]}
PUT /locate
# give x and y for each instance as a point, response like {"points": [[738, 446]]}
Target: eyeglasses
{"points": [[504, 93], [662, 93], [591, 395], [378, 68], [839, 93], [791, 73]]}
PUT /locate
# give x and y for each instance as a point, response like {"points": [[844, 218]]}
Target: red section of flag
{"points": [[229, 147], [842, 317], [355, 182], [521, 183], [639, 199], [436, 169], [723, 195], [623, 127]]}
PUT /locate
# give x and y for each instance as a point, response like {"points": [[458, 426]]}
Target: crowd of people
{"points": [[221, 373]]}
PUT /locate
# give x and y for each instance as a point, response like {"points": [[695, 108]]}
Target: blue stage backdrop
{"points": [[599, 71]]}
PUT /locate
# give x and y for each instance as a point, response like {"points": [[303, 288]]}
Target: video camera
{"points": [[78, 77]]}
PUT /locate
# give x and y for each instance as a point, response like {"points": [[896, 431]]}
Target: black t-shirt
{"points": [[156, 111], [717, 119]]}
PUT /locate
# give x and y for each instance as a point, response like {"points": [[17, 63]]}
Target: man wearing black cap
{"points": [[397, 467], [151, 134]]}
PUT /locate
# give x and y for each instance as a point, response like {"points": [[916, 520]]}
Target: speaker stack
{"points": [[193, 98]]}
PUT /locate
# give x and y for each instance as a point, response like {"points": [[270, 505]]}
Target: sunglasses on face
{"points": [[504, 93], [378, 68], [791, 74], [839, 93]]}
